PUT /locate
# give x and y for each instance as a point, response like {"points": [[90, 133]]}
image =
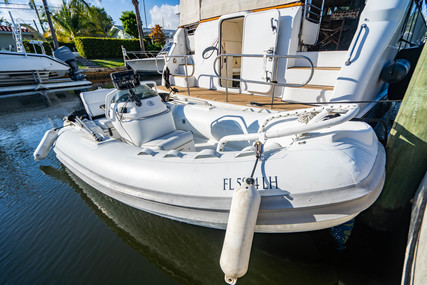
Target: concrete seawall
{"points": [[101, 73]]}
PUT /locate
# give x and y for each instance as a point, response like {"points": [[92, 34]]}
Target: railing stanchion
{"points": [[226, 80], [274, 78], [186, 76]]}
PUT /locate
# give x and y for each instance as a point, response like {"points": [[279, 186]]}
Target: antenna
{"points": [[145, 13]]}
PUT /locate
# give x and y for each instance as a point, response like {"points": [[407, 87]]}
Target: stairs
{"points": [[320, 88], [180, 80]]}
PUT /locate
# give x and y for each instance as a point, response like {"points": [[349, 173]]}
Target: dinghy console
{"points": [[140, 117]]}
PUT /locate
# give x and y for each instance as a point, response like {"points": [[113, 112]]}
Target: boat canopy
{"points": [[192, 11]]}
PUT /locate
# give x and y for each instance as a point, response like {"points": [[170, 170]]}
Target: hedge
{"points": [[47, 46], [104, 47], [90, 47]]}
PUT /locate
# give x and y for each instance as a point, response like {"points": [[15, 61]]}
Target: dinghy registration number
{"points": [[262, 184]]}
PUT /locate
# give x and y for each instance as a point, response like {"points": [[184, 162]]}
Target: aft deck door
{"points": [[260, 34]]}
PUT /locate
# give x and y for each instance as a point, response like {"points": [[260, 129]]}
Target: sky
{"points": [[163, 12]]}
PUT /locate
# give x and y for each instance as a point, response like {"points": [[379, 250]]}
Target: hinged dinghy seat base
{"points": [[94, 103], [178, 140]]}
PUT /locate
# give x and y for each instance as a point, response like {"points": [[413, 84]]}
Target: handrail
{"points": [[308, 8], [186, 57], [268, 56], [313, 125], [186, 63], [147, 54], [348, 62], [40, 44], [272, 82]]}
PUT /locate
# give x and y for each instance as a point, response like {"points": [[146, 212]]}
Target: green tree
{"points": [[73, 19], [102, 21], [157, 35], [78, 18], [128, 19]]}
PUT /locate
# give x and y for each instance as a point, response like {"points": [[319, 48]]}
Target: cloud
{"points": [[165, 16]]}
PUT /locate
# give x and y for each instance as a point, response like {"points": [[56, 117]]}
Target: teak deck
{"points": [[236, 98]]}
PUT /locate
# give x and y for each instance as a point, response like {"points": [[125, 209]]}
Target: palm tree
{"points": [[139, 24], [102, 21], [74, 19], [78, 18]]}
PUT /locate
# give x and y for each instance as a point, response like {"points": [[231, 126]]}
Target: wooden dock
{"points": [[236, 98], [406, 154], [415, 265]]}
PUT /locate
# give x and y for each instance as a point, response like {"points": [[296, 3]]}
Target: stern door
{"points": [[260, 34]]}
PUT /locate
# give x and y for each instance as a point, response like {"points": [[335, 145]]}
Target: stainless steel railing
{"points": [[186, 75], [348, 61], [272, 82], [130, 55]]}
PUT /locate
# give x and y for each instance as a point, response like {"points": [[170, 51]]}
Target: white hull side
{"points": [[19, 68], [197, 192], [147, 65]]}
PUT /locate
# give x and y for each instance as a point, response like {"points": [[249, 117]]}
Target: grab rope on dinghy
{"points": [[258, 152]]}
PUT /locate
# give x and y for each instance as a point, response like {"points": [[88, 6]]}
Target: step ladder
{"points": [[17, 35]]}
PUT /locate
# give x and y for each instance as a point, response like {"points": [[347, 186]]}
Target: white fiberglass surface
{"points": [[260, 35]]}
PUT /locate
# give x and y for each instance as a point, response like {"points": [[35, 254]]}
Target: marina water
{"points": [[55, 229]]}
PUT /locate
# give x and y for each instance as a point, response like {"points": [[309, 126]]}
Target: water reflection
{"points": [[191, 254]]}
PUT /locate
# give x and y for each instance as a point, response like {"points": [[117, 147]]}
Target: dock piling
{"points": [[406, 154]]}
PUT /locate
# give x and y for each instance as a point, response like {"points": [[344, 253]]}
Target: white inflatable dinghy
{"points": [[183, 160]]}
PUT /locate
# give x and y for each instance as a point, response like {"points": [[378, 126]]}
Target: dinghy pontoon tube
{"points": [[318, 169]]}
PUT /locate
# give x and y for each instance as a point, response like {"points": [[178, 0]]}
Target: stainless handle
{"points": [[348, 62]]}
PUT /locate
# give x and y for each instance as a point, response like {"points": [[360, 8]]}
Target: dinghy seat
{"points": [[178, 140], [93, 102]]}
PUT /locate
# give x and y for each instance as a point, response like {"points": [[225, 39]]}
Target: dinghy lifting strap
{"points": [[258, 153]]}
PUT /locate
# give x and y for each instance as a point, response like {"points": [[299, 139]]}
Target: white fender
{"points": [[240, 231], [45, 144]]}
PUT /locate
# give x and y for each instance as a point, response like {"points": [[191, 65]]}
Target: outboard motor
{"points": [[136, 111], [65, 54]]}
